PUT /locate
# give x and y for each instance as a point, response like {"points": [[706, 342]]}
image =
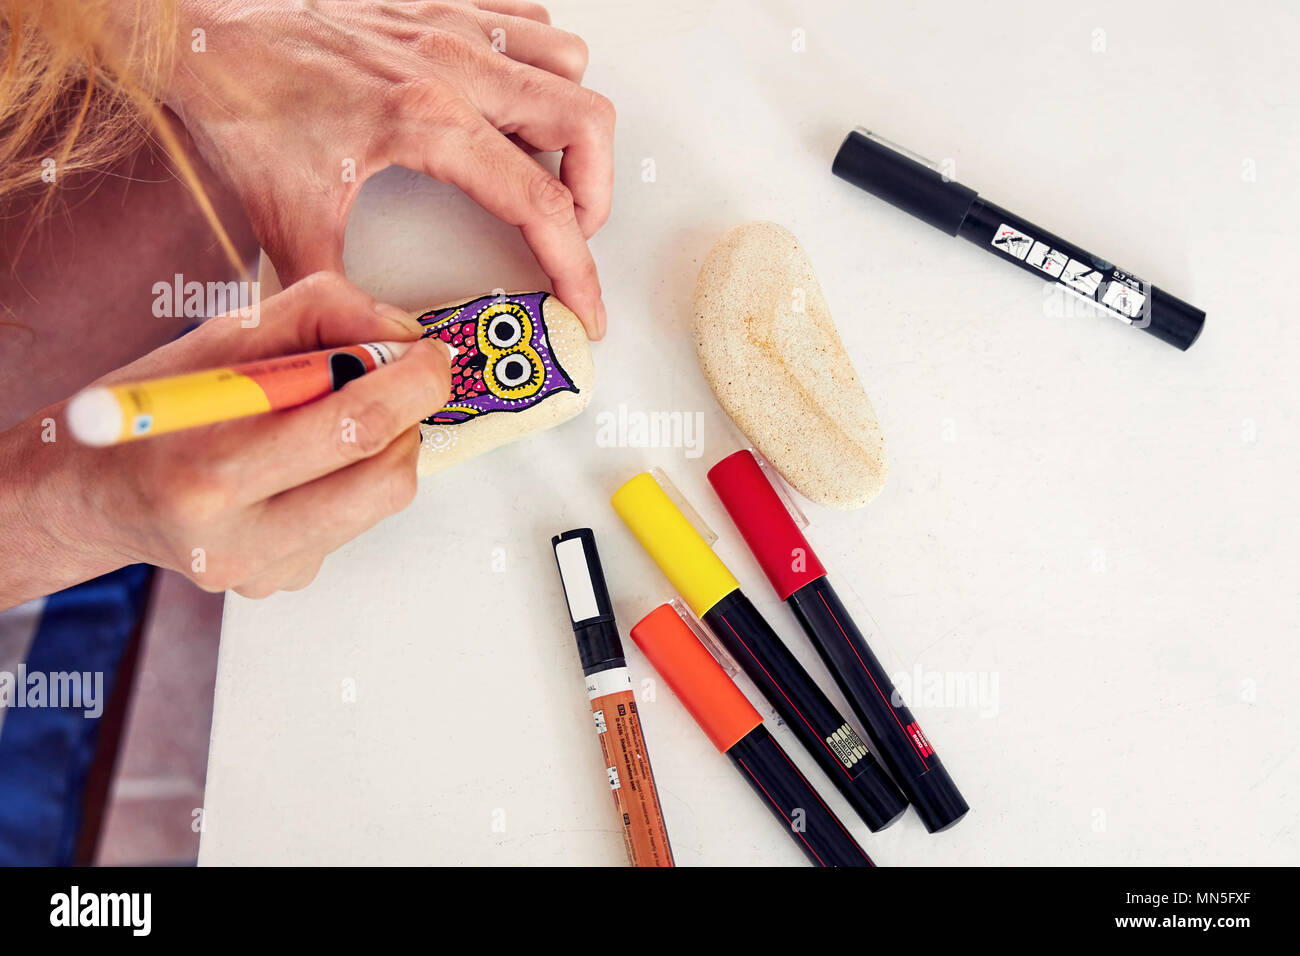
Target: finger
{"points": [[293, 574], [552, 113], [516, 8], [304, 576], [534, 43], [321, 311], [321, 516], [473, 156], [587, 168], [271, 453]]}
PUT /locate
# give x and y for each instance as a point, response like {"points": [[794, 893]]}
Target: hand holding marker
{"points": [[108, 414], [713, 593]]}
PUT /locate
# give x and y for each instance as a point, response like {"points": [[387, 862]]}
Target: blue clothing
{"points": [[46, 751]]}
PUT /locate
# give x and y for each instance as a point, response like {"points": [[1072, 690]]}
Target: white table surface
{"points": [[1095, 530]]}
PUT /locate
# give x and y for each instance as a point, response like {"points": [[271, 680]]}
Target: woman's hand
{"points": [[253, 504], [298, 104]]}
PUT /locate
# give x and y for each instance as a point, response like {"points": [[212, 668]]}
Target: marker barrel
{"points": [[1081, 274], [793, 801], [108, 414], [895, 735], [627, 767], [833, 743]]}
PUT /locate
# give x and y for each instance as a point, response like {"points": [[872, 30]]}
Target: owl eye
{"points": [[513, 371], [504, 330]]}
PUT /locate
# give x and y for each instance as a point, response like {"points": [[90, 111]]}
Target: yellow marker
{"points": [[108, 414], [685, 558]]}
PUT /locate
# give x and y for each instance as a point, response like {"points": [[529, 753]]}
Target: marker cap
{"points": [[704, 689], [938, 802], [685, 558], [95, 417], [763, 521], [587, 598], [889, 173]]}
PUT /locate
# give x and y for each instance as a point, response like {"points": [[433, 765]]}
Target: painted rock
{"points": [[522, 364], [769, 349]]}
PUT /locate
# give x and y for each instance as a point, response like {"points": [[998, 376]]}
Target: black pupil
{"points": [[504, 331], [515, 370]]}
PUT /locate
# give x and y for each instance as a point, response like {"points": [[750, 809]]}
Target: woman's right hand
{"points": [[252, 505]]}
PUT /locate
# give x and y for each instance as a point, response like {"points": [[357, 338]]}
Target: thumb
{"points": [[324, 310], [321, 311]]}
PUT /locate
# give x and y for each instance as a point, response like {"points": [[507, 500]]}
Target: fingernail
{"points": [[400, 316], [601, 319]]}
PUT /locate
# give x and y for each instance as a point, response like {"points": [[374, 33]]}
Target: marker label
{"points": [[848, 746], [1119, 293], [1012, 241], [1046, 259], [919, 740], [618, 727], [578, 590]]}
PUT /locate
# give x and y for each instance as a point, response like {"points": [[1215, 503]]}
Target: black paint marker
{"points": [[799, 579], [915, 186]]}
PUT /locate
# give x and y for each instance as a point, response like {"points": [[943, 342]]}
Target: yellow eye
{"points": [[516, 374], [503, 326], [504, 330]]}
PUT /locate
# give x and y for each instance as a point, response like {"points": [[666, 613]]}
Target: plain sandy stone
{"points": [[446, 445], [769, 349]]}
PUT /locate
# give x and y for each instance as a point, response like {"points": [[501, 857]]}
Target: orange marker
{"points": [[108, 414], [613, 704], [736, 729]]}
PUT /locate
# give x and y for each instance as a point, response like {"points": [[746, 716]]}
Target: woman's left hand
{"points": [[298, 104]]}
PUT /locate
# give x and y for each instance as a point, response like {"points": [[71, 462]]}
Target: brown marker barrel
{"points": [[631, 781]]}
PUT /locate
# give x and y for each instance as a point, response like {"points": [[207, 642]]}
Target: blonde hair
{"points": [[78, 95]]}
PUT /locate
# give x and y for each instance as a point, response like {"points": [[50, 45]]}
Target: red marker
{"points": [[799, 579]]}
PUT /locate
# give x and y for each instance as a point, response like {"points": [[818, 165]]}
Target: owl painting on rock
{"points": [[521, 352], [503, 361]]}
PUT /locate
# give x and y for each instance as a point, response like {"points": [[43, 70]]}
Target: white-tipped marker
{"points": [[107, 414]]}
